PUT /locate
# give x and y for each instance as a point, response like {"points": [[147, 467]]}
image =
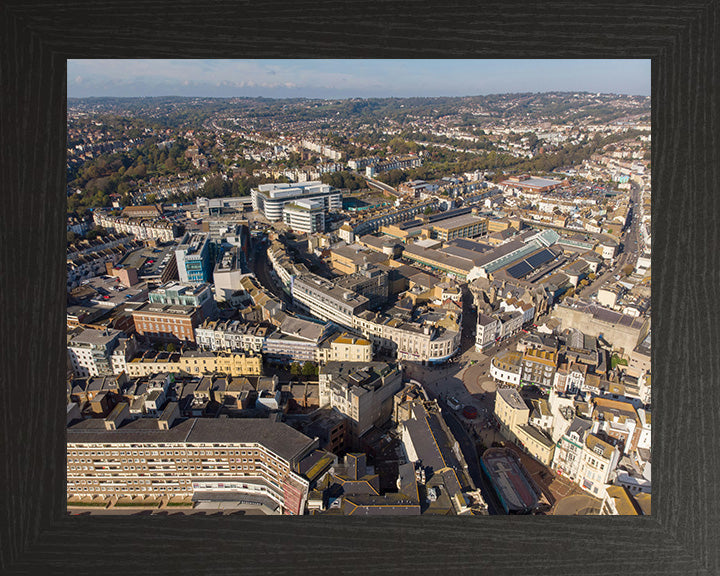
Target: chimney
{"points": [[169, 416], [119, 414]]}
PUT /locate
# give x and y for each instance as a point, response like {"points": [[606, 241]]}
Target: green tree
{"points": [[295, 369], [95, 232], [308, 369], [216, 187]]}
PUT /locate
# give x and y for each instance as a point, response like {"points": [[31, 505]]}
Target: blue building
{"points": [[194, 259]]}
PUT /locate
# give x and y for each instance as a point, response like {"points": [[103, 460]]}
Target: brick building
{"points": [[167, 322]]}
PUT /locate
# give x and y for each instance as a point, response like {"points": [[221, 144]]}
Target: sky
{"points": [[353, 78]]}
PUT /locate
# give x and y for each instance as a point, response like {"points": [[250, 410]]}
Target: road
{"points": [[377, 184], [469, 450], [261, 269], [463, 381], [629, 255]]}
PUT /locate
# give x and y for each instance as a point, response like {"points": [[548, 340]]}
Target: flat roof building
{"points": [[305, 215], [326, 300], [463, 226], [90, 351], [167, 322], [296, 340], [532, 184], [241, 460], [151, 264], [363, 391], [511, 482], [270, 199], [227, 277], [200, 295], [194, 259]]}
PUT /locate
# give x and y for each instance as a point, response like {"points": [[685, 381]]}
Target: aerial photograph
{"points": [[358, 287]]}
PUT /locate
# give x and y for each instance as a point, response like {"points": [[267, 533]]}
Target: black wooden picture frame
{"points": [[683, 41]]}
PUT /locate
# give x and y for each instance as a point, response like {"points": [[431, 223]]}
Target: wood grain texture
{"points": [[683, 534]]}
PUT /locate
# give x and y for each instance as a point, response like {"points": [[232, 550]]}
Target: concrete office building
{"points": [[296, 340], [370, 282], [327, 301], [462, 226], [227, 278], [622, 331], [270, 199]]}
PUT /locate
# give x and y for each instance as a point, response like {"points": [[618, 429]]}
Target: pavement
{"points": [[466, 378], [577, 505]]}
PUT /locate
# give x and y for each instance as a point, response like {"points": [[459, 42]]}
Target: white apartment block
{"points": [[599, 460], [90, 352], [307, 216]]}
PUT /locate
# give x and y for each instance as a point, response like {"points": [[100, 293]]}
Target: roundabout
{"points": [[477, 381]]}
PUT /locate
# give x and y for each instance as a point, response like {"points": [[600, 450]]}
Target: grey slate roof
{"points": [[278, 437]]}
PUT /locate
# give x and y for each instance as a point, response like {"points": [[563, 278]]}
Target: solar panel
{"points": [[540, 258], [519, 270], [531, 263]]}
